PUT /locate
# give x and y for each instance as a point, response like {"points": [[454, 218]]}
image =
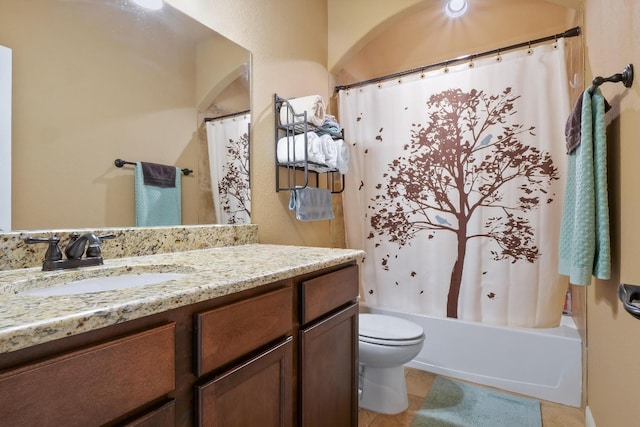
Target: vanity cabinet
{"points": [[281, 354], [328, 354]]}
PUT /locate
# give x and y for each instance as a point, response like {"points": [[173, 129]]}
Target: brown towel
{"points": [[572, 131], [572, 128], [158, 175]]}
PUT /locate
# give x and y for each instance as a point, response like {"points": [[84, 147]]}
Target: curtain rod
{"points": [[226, 116], [573, 32]]}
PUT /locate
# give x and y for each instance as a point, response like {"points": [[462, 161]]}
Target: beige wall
{"points": [[288, 41], [423, 35], [230, 63], [82, 99], [94, 82], [612, 40], [353, 23]]}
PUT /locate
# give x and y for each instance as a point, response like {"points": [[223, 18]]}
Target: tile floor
{"points": [[418, 384]]}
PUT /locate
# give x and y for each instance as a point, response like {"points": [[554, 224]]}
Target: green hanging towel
{"points": [[584, 231], [157, 194]]}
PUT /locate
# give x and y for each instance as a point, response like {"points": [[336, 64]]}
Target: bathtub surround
{"points": [[541, 363], [457, 403], [458, 207]]}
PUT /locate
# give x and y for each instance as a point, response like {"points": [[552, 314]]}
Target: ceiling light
{"points": [[456, 8], [149, 4]]}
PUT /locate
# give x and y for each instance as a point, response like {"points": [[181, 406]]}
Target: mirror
{"points": [[100, 80]]}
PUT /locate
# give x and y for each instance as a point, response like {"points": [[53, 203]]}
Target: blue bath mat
{"points": [[457, 404]]}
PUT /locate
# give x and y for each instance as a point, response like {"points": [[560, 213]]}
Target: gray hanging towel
{"points": [[311, 204]]}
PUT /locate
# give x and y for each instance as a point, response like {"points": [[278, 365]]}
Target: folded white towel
{"points": [[311, 204], [292, 149], [312, 104], [336, 153], [325, 152], [330, 150], [344, 156]]}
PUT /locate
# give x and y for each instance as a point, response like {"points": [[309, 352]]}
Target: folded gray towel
{"points": [[311, 204], [158, 175]]}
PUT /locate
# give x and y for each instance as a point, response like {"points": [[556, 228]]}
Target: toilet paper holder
{"points": [[630, 296]]}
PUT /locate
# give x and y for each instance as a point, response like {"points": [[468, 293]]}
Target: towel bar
{"points": [[626, 77], [629, 294], [120, 163]]}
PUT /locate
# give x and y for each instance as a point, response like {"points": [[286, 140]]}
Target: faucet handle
{"points": [[53, 251], [94, 250]]}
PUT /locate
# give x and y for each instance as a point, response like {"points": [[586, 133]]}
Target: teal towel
{"points": [[157, 205], [584, 231]]}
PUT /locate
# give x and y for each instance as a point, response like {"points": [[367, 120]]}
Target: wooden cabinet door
{"points": [[255, 393], [163, 416], [329, 371]]}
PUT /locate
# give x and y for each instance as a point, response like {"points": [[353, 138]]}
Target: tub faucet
{"points": [[75, 249]]}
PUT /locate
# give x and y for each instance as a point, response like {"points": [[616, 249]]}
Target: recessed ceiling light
{"points": [[149, 4], [456, 8]]}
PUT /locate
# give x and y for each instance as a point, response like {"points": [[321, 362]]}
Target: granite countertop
{"points": [[29, 320]]}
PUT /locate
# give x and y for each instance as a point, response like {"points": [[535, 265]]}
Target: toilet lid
{"points": [[383, 327]]}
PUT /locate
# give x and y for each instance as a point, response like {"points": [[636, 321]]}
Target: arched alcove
{"points": [[421, 34]]}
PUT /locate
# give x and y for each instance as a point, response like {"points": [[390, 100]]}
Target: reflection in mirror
{"points": [[228, 148], [98, 80]]}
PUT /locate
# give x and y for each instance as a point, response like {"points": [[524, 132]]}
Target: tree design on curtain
{"points": [[234, 184], [457, 166]]}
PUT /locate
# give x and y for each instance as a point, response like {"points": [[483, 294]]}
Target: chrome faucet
{"points": [[53, 259]]}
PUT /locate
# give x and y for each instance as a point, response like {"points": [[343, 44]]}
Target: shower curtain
{"points": [[228, 144], [456, 186]]}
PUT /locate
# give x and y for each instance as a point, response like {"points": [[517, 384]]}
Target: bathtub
{"points": [[541, 363]]}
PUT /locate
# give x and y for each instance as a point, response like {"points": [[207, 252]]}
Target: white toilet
{"points": [[386, 343]]}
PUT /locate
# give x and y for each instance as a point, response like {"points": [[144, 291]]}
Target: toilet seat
{"points": [[388, 330]]}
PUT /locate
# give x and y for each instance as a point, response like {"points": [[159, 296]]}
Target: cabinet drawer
{"points": [[91, 386], [229, 332], [322, 294]]}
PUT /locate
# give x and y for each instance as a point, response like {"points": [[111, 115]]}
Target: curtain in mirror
{"points": [[228, 145]]}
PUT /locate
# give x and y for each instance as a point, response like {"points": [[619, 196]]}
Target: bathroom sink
{"points": [[100, 279], [102, 284]]}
